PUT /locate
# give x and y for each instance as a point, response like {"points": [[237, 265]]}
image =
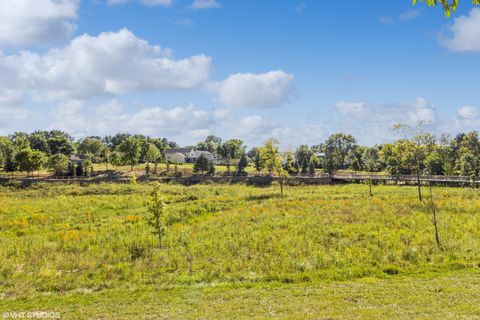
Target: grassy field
{"points": [[186, 169], [328, 252]]}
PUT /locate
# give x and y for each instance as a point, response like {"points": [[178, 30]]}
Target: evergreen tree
{"points": [[79, 170], [211, 169], [201, 165], [258, 161], [311, 167], [305, 166], [242, 164]]}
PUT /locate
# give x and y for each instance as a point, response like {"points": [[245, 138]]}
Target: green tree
{"points": [[413, 153], [371, 167], [201, 165], [211, 144], [116, 159], [130, 149], [38, 141], [79, 170], [242, 164], [61, 144], [311, 167], [211, 169], [6, 147], [372, 155], [258, 160], [157, 208], [92, 146], [153, 155], [303, 154], [105, 157], [87, 166], [336, 148], [304, 168], [230, 150], [289, 163], [273, 161], [355, 160], [58, 164], [29, 160], [469, 165]]}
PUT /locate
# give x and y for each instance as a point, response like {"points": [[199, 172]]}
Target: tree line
{"points": [[416, 152]]}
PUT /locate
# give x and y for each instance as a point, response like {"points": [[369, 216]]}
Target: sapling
{"points": [[157, 209], [434, 217]]}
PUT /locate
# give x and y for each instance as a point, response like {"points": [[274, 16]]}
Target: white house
{"points": [[186, 155]]}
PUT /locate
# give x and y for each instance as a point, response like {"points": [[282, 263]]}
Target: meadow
{"points": [[234, 251]]}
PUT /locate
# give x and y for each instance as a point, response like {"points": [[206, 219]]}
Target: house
{"points": [[76, 159], [186, 155]]}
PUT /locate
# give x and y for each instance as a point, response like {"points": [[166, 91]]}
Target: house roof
{"points": [[178, 150], [76, 158], [186, 151]]}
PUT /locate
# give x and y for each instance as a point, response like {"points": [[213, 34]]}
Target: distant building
{"points": [[186, 155], [76, 159]]}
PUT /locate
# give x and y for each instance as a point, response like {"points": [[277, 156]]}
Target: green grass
{"points": [[233, 250], [185, 168]]}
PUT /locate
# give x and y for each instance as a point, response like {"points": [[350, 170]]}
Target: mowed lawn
{"points": [[233, 251]]}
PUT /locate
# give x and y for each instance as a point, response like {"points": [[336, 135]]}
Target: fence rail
{"points": [[311, 179], [405, 178]]}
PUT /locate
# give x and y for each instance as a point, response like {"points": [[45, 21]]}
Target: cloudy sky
{"points": [[291, 69]]}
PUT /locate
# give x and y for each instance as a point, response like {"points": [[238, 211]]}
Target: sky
{"points": [[293, 70]]}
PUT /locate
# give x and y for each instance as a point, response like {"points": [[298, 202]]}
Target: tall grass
{"points": [[68, 237]]}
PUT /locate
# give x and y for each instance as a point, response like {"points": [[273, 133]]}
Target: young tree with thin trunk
{"points": [[157, 209], [274, 161], [414, 148], [434, 217]]}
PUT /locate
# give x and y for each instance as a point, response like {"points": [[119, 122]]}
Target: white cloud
{"points": [[389, 114], [150, 3], [112, 107], [10, 98], [357, 108], [373, 124], [205, 4], [36, 22], [248, 128], [68, 108], [171, 122], [9, 116], [465, 33], [184, 22], [405, 16], [468, 113], [301, 7], [11, 109], [264, 90], [111, 63], [467, 118], [181, 123]]}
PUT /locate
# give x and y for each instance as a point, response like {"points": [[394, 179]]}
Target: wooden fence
{"points": [[265, 180]]}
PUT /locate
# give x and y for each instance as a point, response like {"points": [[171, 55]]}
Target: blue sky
{"points": [[290, 69]]}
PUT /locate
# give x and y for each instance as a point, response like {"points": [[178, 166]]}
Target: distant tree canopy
{"points": [[449, 6], [416, 152]]}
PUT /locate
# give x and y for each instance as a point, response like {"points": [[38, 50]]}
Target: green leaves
{"points": [[449, 6]]}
